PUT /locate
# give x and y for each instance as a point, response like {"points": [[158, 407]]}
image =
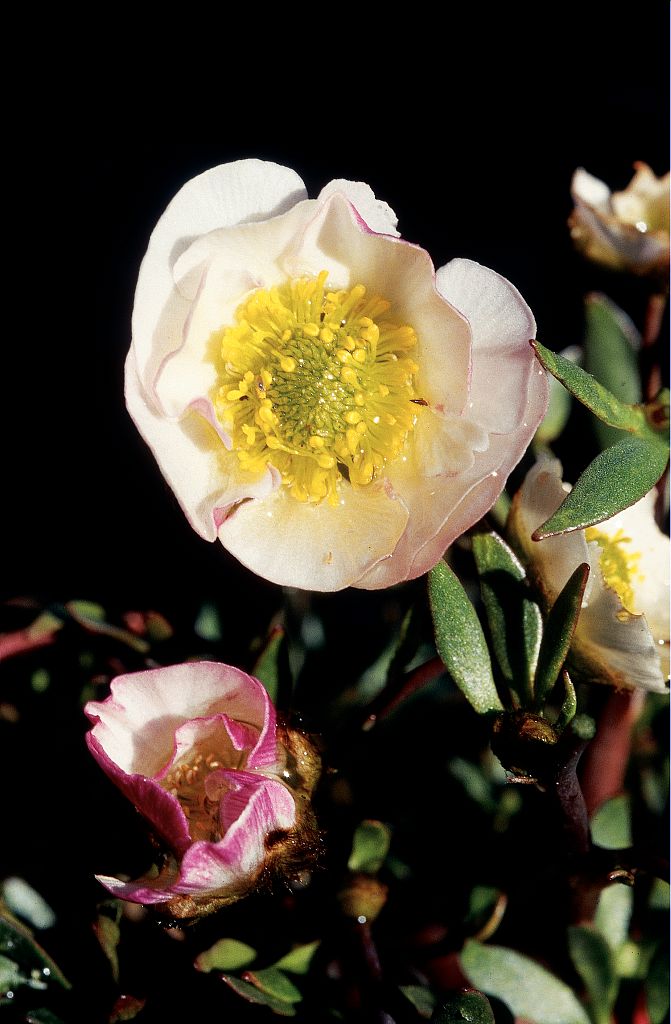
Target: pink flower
{"points": [[197, 749], [319, 398]]}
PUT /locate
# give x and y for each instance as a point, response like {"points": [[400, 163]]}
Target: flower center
{"points": [[186, 781], [617, 564], [317, 383]]}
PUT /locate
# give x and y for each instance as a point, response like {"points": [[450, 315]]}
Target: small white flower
{"points": [[622, 636]]}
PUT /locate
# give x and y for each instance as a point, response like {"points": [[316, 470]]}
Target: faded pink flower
{"points": [[319, 398], [197, 749], [626, 230]]}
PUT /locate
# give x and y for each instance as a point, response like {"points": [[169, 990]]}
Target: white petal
{"points": [[619, 643], [585, 188], [315, 547], [377, 215], [502, 326]]}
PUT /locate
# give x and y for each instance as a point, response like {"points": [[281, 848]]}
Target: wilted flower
{"points": [[317, 396], [622, 636], [197, 749], [626, 230]]}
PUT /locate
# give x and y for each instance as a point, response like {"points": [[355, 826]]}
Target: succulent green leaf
{"points": [[611, 343], [255, 995], [559, 630], [559, 405], [594, 961], [569, 704], [595, 396], [421, 998], [460, 641], [611, 825], [515, 621], [370, 846], [465, 1008], [17, 943], [527, 989], [267, 667], [613, 914], [618, 477], [298, 960], [225, 955], [275, 983], [657, 985]]}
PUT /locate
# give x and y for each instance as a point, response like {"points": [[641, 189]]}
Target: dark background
{"points": [[470, 132]]}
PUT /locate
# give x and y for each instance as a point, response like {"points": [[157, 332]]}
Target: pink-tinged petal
{"points": [[442, 508], [233, 193], [502, 326], [214, 275], [149, 890], [136, 725], [205, 477], [315, 546], [337, 241], [377, 214], [161, 809]]}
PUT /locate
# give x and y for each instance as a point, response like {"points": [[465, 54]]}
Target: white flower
{"points": [[317, 396], [626, 230], [622, 636]]}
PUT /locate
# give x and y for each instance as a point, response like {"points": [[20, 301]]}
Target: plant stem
{"points": [[650, 362], [569, 796], [606, 760]]}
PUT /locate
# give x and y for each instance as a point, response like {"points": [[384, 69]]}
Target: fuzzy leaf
{"points": [[421, 998], [559, 630], [460, 641], [611, 341], [617, 478], [298, 960], [559, 405], [569, 704], [465, 1008], [255, 995], [514, 619], [527, 989], [17, 942], [370, 846], [594, 961], [274, 983], [225, 955], [611, 825]]}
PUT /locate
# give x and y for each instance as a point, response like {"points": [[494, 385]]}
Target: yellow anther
{"points": [[383, 389], [361, 428], [359, 355], [273, 442], [266, 416], [342, 355], [358, 292], [326, 461], [371, 334], [349, 375], [327, 335], [365, 321], [312, 330], [287, 335], [389, 419], [349, 343], [267, 378], [352, 417], [232, 396], [352, 441], [316, 441], [249, 432], [360, 399], [288, 364]]}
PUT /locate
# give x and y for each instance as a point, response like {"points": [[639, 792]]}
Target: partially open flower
{"points": [[626, 230], [622, 636], [197, 749], [318, 397]]}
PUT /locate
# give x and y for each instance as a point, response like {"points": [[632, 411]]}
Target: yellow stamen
{"points": [[618, 564]]}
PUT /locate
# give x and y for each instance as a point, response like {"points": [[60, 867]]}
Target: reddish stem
{"points": [[652, 374], [606, 758]]}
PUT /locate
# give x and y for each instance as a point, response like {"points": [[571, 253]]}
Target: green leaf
{"points": [[465, 1008], [370, 846], [91, 617], [515, 621], [594, 961], [42, 1016], [526, 988], [559, 405], [108, 933], [559, 630], [476, 784], [611, 825], [26, 902], [10, 975], [657, 985], [659, 895], [17, 942], [421, 998], [613, 914], [255, 995], [298, 960], [208, 623], [274, 983], [460, 641], [225, 955], [569, 704], [267, 667], [611, 341], [595, 396], [617, 478]]}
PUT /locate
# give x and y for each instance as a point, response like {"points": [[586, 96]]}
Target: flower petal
{"points": [[502, 326], [242, 191], [375, 213], [317, 547]]}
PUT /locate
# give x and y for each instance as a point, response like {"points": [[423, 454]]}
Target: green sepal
{"points": [[460, 641], [225, 955], [617, 478], [559, 629], [594, 961], [465, 1008], [370, 847], [298, 960], [611, 342], [527, 989]]}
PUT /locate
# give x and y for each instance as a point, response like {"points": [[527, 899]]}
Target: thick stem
{"points": [[606, 760], [650, 361], [570, 799]]}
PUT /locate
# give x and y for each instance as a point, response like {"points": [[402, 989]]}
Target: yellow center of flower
{"points": [[618, 565], [317, 383]]}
